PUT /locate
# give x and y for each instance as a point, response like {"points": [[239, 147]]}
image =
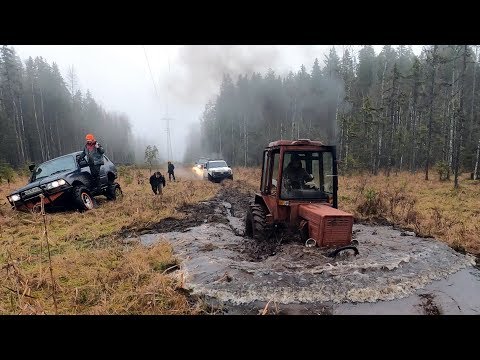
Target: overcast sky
{"points": [[186, 77]]}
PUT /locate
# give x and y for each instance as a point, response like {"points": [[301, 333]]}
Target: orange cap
{"points": [[90, 137]]}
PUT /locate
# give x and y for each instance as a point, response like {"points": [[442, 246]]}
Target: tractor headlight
{"points": [[14, 197], [55, 184]]}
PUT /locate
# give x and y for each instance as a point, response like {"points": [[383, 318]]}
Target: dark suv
{"points": [[66, 181]]}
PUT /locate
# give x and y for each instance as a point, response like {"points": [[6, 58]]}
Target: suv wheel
{"points": [[114, 192], [82, 198]]}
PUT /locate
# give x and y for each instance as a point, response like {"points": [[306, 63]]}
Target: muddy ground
{"points": [[396, 272]]}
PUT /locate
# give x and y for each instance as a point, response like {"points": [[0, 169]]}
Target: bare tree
{"points": [[72, 80], [431, 98], [461, 109]]}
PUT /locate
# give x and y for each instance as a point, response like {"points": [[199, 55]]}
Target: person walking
{"points": [[157, 181], [171, 172]]}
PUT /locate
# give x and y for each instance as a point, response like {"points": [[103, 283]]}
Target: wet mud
{"points": [[395, 272]]}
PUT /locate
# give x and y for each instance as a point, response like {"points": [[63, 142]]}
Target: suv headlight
{"points": [[55, 184], [14, 197]]}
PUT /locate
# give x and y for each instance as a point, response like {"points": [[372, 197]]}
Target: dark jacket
{"points": [[154, 181], [170, 168], [93, 156], [295, 177]]}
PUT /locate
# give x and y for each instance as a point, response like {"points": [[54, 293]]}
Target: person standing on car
{"points": [[93, 154], [157, 181], [170, 171]]}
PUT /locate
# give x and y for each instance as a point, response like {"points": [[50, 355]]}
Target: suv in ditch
{"points": [[217, 170], [65, 182]]}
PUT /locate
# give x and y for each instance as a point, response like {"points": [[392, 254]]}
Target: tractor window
{"points": [[307, 175], [328, 172], [265, 172], [276, 160]]}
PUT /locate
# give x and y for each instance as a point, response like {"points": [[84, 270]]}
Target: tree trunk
{"points": [[18, 139], [451, 116], [58, 135], [36, 123], [461, 117], [47, 143], [233, 147], [430, 117], [245, 139], [475, 173], [472, 114], [23, 127]]}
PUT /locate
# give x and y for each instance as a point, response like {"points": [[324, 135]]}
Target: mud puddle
{"points": [[395, 273]]}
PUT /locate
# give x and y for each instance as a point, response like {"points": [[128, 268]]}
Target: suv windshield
{"points": [[217, 164], [307, 175], [64, 163]]}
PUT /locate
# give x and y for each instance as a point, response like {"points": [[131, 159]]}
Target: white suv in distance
{"points": [[217, 170]]}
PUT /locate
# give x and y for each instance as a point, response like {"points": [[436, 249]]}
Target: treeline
{"points": [[43, 115], [390, 111]]}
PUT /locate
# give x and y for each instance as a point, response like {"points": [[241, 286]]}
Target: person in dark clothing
{"points": [[157, 180], [93, 154], [170, 171], [294, 175]]}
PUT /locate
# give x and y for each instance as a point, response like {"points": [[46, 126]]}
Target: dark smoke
{"points": [[203, 66]]}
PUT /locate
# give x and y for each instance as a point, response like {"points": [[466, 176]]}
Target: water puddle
{"points": [[386, 277]]}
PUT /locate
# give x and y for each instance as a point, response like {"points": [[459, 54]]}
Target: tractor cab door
{"points": [[270, 168]]}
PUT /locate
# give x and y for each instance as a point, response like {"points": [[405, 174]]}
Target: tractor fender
{"points": [[268, 213], [259, 200]]}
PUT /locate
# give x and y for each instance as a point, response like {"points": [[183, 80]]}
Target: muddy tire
{"points": [[256, 226], [114, 192], [210, 178], [82, 198]]}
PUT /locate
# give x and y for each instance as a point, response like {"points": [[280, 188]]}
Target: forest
{"points": [[392, 111], [43, 115]]}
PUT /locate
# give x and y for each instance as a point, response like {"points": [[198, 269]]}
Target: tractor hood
{"points": [[327, 225]]}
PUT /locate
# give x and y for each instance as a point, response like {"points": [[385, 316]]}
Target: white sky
{"points": [[119, 79]]}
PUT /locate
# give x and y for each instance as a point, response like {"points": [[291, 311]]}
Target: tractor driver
{"points": [[294, 175]]}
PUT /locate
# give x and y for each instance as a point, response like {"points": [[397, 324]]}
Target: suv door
{"points": [[103, 171]]}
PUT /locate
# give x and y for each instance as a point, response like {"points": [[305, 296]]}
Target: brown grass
{"points": [[94, 272], [430, 208]]}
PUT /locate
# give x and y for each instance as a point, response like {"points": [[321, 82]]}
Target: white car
{"points": [[217, 170]]}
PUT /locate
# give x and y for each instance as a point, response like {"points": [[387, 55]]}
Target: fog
{"points": [[185, 78]]}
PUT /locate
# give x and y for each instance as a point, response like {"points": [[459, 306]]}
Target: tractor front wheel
{"points": [[255, 223]]}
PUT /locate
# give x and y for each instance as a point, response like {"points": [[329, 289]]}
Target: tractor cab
{"points": [[298, 190], [301, 170]]}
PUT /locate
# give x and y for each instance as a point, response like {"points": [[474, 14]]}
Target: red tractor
{"points": [[299, 191]]}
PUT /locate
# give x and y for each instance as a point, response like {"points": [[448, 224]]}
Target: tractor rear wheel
{"points": [[256, 225]]}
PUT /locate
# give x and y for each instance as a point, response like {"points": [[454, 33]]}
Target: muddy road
{"points": [[395, 272]]}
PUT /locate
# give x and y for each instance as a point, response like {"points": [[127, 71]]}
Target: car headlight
{"points": [[55, 184], [14, 197]]}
